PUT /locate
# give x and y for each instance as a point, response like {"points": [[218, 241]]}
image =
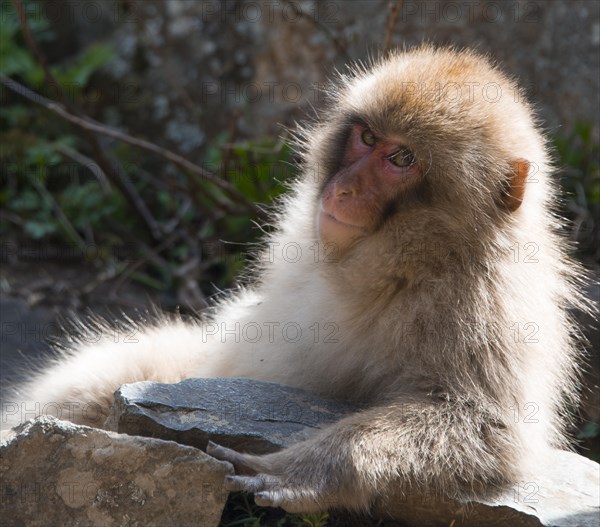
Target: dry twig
{"points": [[107, 166], [394, 7], [94, 126]]}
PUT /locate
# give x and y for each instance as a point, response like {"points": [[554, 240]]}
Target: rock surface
{"points": [[262, 417], [56, 473], [258, 417], [566, 493]]}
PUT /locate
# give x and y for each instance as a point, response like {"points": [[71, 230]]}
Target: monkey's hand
{"points": [[298, 479], [366, 455]]}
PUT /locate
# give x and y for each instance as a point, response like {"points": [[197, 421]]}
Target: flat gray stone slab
{"points": [[54, 473], [566, 493], [262, 417], [258, 417]]}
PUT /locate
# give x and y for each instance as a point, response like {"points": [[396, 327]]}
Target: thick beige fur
{"points": [[450, 323]]}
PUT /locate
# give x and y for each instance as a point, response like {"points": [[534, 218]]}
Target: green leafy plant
{"points": [[312, 520], [241, 511], [49, 196], [16, 60], [579, 165], [36, 180]]}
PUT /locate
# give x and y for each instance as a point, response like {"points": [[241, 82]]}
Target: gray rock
{"points": [[262, 417], [254, 416], [566, 493], [57, 473]]}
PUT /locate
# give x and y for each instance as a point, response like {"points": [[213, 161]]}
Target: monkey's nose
{"points": [[344, 190]]}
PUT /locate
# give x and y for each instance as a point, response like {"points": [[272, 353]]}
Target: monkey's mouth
{"points": [[326, 217], [332, 230]]}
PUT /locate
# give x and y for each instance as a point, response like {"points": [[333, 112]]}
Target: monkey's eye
{"points": [[403, 158], [367, 137]]}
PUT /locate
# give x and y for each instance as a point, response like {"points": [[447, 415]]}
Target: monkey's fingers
{"points": [[241, 462], [270, 491], [289, 499], [253, 484]]}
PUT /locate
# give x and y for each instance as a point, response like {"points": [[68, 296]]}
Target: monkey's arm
{"points": [[448, 448]]}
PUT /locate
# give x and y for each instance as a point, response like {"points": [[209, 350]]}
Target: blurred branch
{"points": [[104, 163], [39, 56], [149, 253], [226, 158], [94, 126], [85, 161], [62, 218], [394, 7], [111, 167]]}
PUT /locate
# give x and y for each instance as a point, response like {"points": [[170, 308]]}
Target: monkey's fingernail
{"points": [[237, 483], [213, 448], [265, 499]]}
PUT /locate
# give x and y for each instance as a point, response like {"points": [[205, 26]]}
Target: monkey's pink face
{"points": [[374, 174]]}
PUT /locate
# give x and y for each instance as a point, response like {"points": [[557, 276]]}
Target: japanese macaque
{"points": [[419, 268]]}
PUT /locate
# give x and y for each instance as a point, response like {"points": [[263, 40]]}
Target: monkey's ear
{"points": [[515, 189]]}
